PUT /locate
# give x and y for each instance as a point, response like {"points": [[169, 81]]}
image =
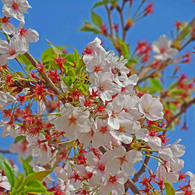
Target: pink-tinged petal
{"points": [[113, 123], [161, 173], [134, 156], [154, 142], [142, 134], [172, 177], [32, 36], [166, 154], [124, 137], [4, 59], [8, 28], [3, 46], [172, 53]]}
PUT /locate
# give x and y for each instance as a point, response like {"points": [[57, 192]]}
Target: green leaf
{"points": [[156, 84], [27, 168], [68, 80], [19, 184], [81, 67], [70, 72], [96, 19], [35, 187], [176, 91], [9, 171], [55, 49], [19, 138], [24, 60], [37, 175], [100, 3], [49, 54], [132, 61], [77, 57], [89, 28], [169, 189], [114, 2], [124, 48], [70, 58]]}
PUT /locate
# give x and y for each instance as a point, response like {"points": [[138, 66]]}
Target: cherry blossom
{"points": [[163, 49], [4, 183], [15, 8], [73, 121], [24, 36], [114, 183], [9, 50], [6, 26], [5, 99], [150, 107]]}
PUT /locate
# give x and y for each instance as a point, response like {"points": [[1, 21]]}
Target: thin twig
{"points": [[183, 109], [5, 151], [110, 21], [147, 69]]}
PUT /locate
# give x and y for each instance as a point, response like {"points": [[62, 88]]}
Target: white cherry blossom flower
{"points": [[24, 36], [98, 167], [117, 116], [6, 26], [114, 183], [5, 99], [9, 50], [94, 48], [15, 8], [150, 137], [178, 149], [103, 83], [98, 64], [118, 68], [73, 121], [150, 107], [4, 183], [8, 130], [102, 136], [163, 174], [119, 158], [163, 49]]}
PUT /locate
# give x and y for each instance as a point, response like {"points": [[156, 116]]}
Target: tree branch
{"points": [[183, 109], [5, 151], [142, 169], [131, 185], [47, 80]]}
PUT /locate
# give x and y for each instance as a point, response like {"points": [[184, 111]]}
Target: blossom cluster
{"points": [[92, 141], [18, 43]]}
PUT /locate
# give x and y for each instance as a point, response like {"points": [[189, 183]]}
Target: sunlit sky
{"points": [[59, 21]]}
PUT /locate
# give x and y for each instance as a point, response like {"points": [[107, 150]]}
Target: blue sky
{"points": [[59, 20]]}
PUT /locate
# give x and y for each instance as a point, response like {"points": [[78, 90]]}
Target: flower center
{"points": [[12, 52], [112, 179], [72, 120], [101, 167], [163, 50], [147, 109], [97, 68], [23, 32], [5, 20], [122, 159], [103, 129], [15, 6]]}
